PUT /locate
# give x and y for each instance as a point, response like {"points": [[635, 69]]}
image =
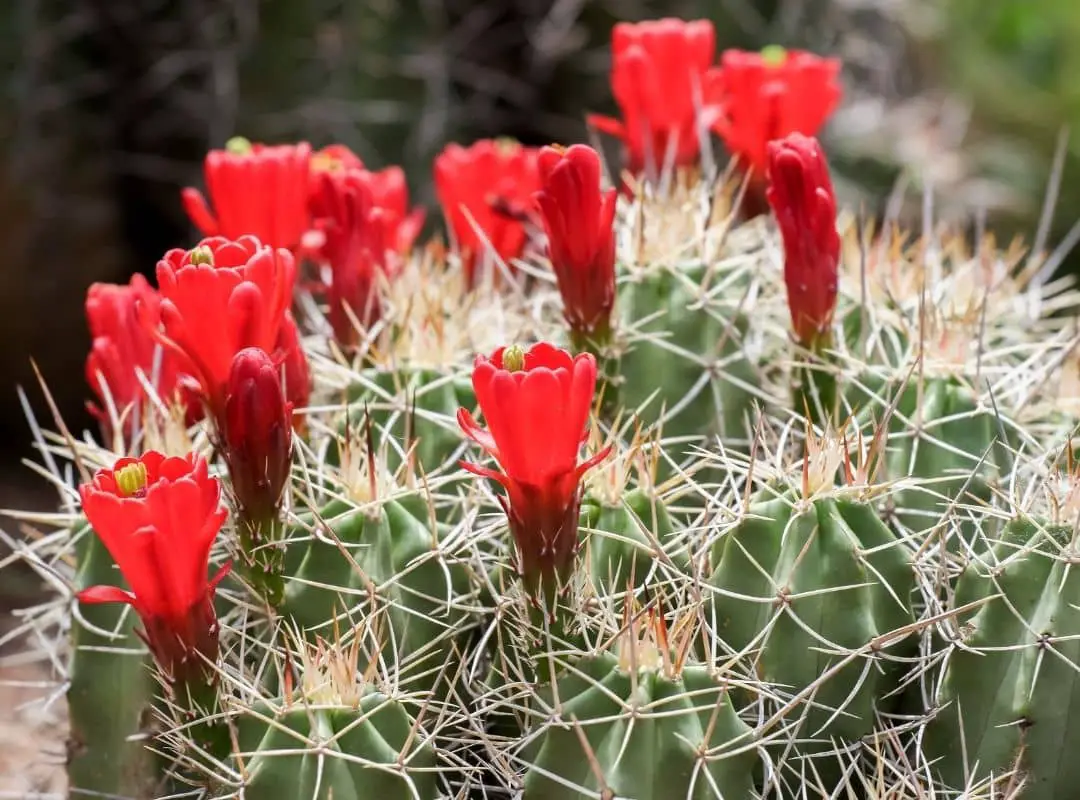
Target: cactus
{"points": [[504, 572], [340, 736], [111, 689], [639, 723], [1005, 694], [812, 582], [384, 565]]}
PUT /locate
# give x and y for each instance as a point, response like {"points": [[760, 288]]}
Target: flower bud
{"points": [[801, 195], [257, 435]]}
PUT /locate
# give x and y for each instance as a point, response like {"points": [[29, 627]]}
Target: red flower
{"points": [[801, 195], [256, 190], [333, 158], [367, 227], [491, 184], [219, 298], [578, 219], [388, 188], [158, 518], [664, 81], [771, 94], [121, 345], [295, 365], [536, 405], [257, 435]]}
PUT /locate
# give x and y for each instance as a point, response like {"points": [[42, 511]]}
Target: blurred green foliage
{"points": [[1017, 61]]}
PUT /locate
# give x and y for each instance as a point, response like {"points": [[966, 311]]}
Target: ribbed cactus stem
{"points": [[600, 343], [814, 385], [262, 556], [111, 691]]}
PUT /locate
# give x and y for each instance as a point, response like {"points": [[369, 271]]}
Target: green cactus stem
{"points": [[382, 564], [635, 729], [1006, 698], [814, 588], [111, 689], [335, 751]]}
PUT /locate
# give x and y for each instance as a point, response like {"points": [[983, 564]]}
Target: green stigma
{"points": [[513, 358], [202, 255], [238, 145], [774, 55], [507, 145], [130, 480]]}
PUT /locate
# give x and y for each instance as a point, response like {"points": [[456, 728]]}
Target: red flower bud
{"points": [[663, 79], [219, 298], [257, 434], [257, 190], [536, 405], [121, 345], [801, 195], [490, 185], [578, 219], [158, 518], [770, 94]]}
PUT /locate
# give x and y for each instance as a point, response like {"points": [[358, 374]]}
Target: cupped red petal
{"points": [[199, 212], [489, 186], [105, 594], [262, 191]]}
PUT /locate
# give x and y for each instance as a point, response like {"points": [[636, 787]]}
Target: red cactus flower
{"points": [[295, 366], [219, 298], [770, 94], [121, 345], [257, 190], [367, 227], [488, 184], [536, 405], [578, 219], [257, 434], [158, 518], [665, 84], [801, 195], [388, 188], [333, 158]]}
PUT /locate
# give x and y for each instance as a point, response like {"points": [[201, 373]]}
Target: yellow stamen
{"points": [[202, 255], [513, 359], [130, 480]]}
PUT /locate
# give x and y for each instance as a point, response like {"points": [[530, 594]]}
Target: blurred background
{"points": [[110, 107]]}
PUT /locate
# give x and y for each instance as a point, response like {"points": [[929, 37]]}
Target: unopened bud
{"points": [[513, 358], [256, 433]]}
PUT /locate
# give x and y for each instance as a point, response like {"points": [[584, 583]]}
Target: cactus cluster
{"points": [[687, 487]]}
